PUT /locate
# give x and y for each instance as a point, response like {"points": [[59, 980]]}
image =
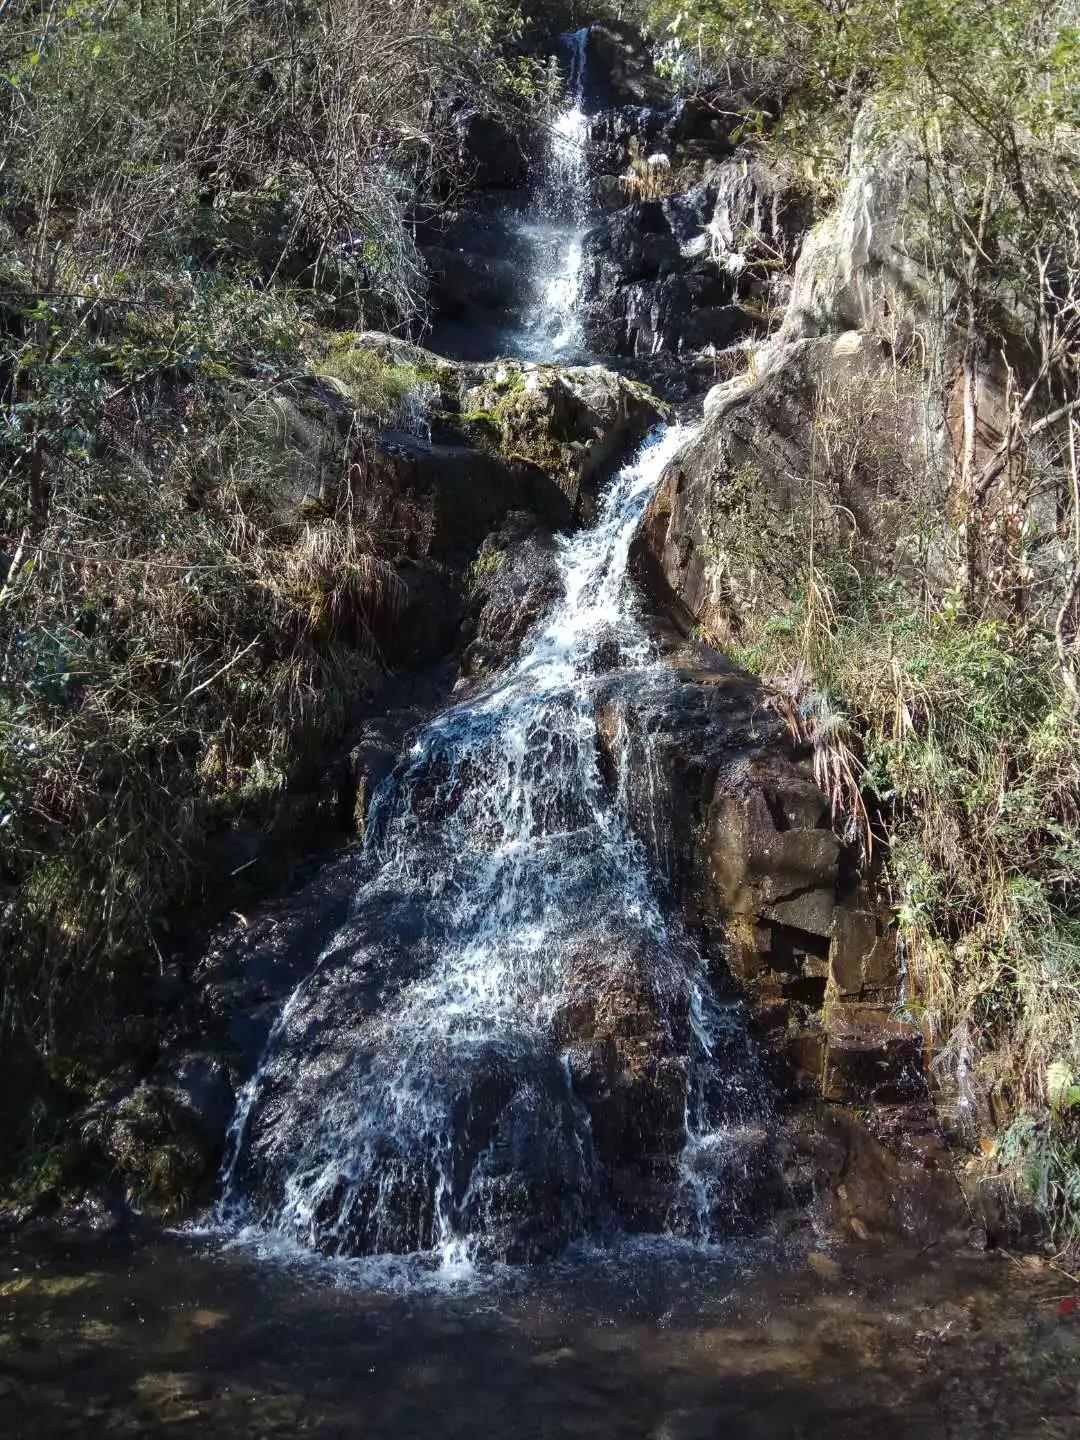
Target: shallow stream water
{"points": [[133, 1336]]}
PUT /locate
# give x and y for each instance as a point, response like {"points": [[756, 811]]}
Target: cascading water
{"points": [[559, 217], [427, 1088], [512, 1044]]}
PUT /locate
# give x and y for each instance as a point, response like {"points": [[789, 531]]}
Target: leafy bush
{"points": [[957, 741]]}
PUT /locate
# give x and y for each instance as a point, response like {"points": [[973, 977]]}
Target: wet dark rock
{"points": [[478, 256], [200, 1086], [866, 1187], [430, 603], [863, 962], [237, 847], [163, 1136], [515, 578], [693, 134], [694, 269], [489, 155], [872, 1056], [471, 287], [619, 68], [636, 242], [370, 761], [251, 964], [625, 1037], [518, 1136], [610, 193], [620, 132]]}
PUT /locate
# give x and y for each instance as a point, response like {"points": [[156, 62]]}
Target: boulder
{"points": [[488, 154], [873, 1186], [465, 490], [166, 1137], [506, 435], [371, 1127], [573, 424], [308, 428], [513, 581], [619, 67]]}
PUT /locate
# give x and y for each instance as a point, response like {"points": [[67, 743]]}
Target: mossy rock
{"points": [[165, 1162], [575, 423]]}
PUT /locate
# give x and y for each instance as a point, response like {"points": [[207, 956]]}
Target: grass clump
{"points": [[381, 388], [181, 640], [949, 743]]}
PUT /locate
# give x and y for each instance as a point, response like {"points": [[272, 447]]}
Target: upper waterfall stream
{"points": [[562, 210], [440, 1085]]}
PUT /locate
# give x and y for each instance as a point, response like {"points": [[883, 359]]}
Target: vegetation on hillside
{"points": [[198, 202], [939, 682], [201, 200]]}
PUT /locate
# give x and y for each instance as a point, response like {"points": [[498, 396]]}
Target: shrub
{"points": [[190, 603], [941, 724]]}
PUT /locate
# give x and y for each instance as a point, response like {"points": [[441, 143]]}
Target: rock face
{"points": [[484, 441], [765, 876], [465, 501], [736, 820], [861, 263], [691, 234], [729, 523], [488, 153], [619, 68], [693, 268], [572, 424], [513, 582]]}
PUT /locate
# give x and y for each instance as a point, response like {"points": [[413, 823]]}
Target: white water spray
{"points": [[558, 225], [444, 1118]]}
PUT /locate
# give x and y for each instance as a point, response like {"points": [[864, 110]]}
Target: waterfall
{"points": [[514, 1043], [560, 216], [419, 1092]]}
